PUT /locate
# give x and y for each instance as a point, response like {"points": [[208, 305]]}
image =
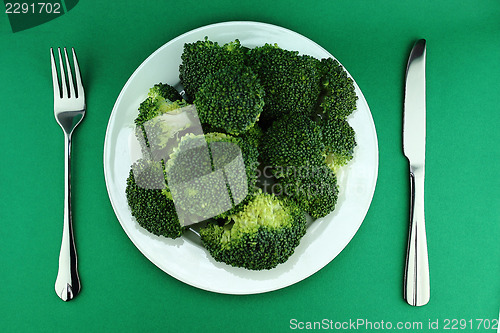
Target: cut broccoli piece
{"points": [[231, 99], [253, 136], [293, 143], [201, 58], [338, 92], [299, 152], [340, 141], [315, 191], [291, 81], [152, 210], [264, 234], [164, 90], [161, 98], [211, 175], [160, 119], [296, 143]]}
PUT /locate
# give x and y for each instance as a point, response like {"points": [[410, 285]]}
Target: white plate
{"points": [[183, 258]]}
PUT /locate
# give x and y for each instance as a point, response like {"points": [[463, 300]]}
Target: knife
{"points": [[416, 277]]}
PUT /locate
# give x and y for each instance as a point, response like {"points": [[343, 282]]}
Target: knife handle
{"points": [[416, 280]]}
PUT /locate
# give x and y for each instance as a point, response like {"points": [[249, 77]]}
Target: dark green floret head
{"points": [[260, 237], [253, 136], [315, 190], [149, 205], [231, 99], [291, 80], [292, 143], [201, 58], [340, 140], [338, 92]]}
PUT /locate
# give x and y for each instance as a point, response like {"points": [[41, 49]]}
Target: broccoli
{"points": [[152, 209], [315, 191], [244, 111], [211, 175], [261, 236], [160, 119], [340, 141], [161, 98], [337, 90], [253, 136], [304, 155], [293, 143], [291, 81], [201, 58], [231, 99], [297, 142]]}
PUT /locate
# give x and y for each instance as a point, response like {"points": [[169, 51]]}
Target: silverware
{"points": [[416, 278], [69, 109]]}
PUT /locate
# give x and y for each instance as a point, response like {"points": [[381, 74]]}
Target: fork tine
{"points": [[71, 87], [64, 87], [55, 79], [80, 92]]}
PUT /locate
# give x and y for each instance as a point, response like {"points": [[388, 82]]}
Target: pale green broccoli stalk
{"points": [[163, 116]]}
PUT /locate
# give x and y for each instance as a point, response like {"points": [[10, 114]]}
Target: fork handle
{"points": [[67, 284], [416, 279]]}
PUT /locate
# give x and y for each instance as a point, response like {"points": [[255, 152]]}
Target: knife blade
{"points": [[416, 277]]}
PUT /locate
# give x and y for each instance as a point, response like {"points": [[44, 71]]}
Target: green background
{"points": [[124, 292]]}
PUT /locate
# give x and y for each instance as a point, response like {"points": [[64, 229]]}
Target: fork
{"points": [[69, 110]]}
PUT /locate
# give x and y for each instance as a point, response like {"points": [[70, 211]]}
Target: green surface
{"points": [[123, 292]]}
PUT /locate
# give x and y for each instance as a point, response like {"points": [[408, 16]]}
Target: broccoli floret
{"points": [[211, 175], [201, 58], [340, 141], [296, 143], [231, 99], [315, 190], [152, 209], [337, 90], [253, 136], [161, 121], [291, 80], [264, 234], [296, 148], [293, 143], [161, 98], [166, 91]]}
